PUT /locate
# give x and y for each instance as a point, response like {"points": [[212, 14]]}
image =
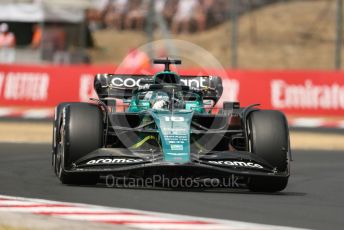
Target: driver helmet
{"points": [[160, 104], [160, 100]]}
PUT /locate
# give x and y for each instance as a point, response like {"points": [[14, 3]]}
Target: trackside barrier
{"points": [[294, 92]]}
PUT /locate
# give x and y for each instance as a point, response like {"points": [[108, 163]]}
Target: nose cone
{"points": [[174, 130]]}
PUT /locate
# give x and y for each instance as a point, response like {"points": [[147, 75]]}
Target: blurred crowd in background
{"points": [[64, 42], [180, 15]]}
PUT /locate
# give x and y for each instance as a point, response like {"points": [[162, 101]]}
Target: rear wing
{"points": [[120, 86]]}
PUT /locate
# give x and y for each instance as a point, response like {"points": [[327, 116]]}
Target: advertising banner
{"points": [[294, 92]]}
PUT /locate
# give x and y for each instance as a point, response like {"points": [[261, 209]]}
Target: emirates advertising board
{"points": [[294, 92]]}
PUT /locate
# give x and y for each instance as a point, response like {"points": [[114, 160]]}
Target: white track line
{"points": [[112, 217], [5, 112], [123, 217], [307, 122], [37, 113]]}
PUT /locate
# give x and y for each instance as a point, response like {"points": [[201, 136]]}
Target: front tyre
{"points": [[56, 132], [81, 132], [269, 139]]}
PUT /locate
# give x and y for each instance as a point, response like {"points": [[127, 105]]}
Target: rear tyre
{"points": [[81, 132], [269, 139]]}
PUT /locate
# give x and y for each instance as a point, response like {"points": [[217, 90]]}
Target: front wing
{"points": [[124, 162]]}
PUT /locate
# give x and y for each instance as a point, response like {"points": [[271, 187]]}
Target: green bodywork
{"points": [[174, 130], [173, 125]]}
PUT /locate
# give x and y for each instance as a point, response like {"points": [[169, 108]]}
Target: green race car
{"points": [[169, 128]]}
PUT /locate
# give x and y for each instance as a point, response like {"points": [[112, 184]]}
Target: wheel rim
{"points": [[58, 161], [59, 156]]}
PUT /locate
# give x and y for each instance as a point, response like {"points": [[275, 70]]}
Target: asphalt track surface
{"points": [[313, 199]]}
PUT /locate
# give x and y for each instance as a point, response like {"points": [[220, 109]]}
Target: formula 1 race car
{"points": [[169, 128]]}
